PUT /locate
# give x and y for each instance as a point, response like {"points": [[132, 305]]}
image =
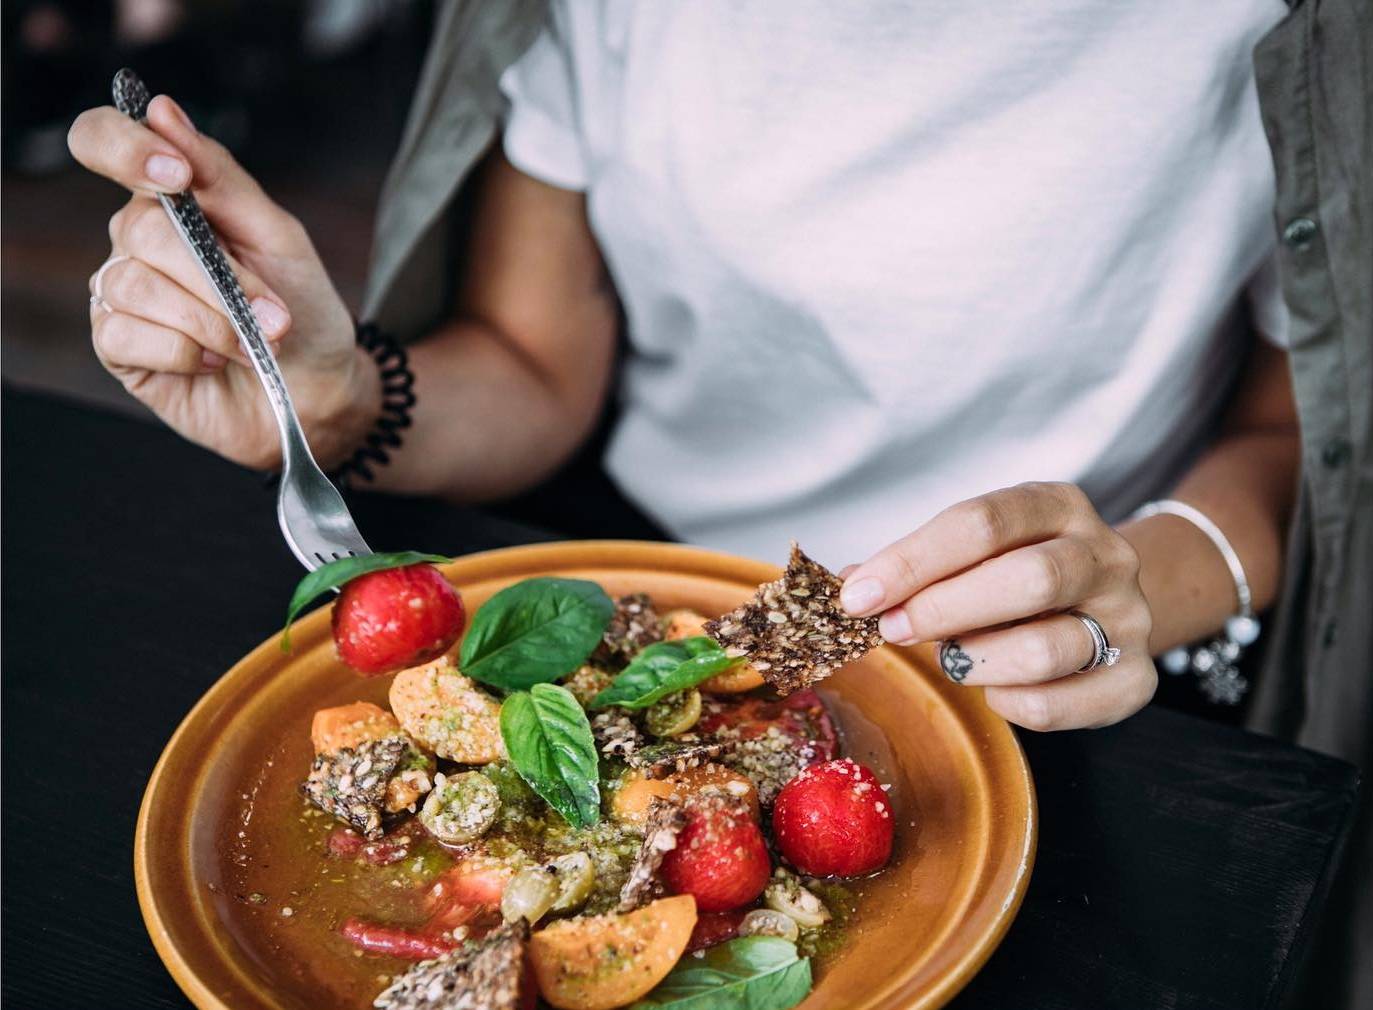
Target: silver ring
{"points": [[99, 296], [99, 303], [1104, 653]]}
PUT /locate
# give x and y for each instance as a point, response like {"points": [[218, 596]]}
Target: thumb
{"points": [[233, 201]]}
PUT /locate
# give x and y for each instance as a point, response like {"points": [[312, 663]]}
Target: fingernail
{"points": [[181, 114], [270, 316], [166, 171], [210, 361], [861, 595], [895, 626]]}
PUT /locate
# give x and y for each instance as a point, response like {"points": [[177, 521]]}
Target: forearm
{"points": [[1245, 485], [487, 422]]}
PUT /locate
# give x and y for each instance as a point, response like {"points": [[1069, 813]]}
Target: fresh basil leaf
{"points": [[752, 973], [534, 632], [336, 573], [662, 669], [549, 742]]}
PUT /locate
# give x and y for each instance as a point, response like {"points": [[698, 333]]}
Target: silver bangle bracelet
{"points": [[1215, 661]]}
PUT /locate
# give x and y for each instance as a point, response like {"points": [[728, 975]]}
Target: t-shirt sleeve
{"points": [[543, 137], [1266, 305]]}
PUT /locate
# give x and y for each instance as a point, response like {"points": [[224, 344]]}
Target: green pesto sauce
{"points": [[528, 831], [827, 940]]}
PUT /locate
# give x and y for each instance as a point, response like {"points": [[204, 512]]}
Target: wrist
{"points": [[344, 410], [1183, 577]]}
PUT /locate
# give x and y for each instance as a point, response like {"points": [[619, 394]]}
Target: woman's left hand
{"points": [[994, 579]]}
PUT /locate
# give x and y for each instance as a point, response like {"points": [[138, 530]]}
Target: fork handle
{"points": [[131, 97]]}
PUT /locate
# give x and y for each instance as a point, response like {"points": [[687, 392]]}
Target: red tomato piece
{"points": [[345, 843], [396, 618], [801, 715], [392, 941], [715, 927], [834, 820], [721, 858]]}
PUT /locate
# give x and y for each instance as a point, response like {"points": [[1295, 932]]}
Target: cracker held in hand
{"points": [[793, 631]]}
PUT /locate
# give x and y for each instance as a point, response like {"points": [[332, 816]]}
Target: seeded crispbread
{"points": [[633, 626], [350, 783], [615, 733], [793, 631], [661, 759], [665, 822], [485, 974]]}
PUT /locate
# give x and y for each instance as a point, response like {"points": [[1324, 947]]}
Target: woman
{"points": [[1031, 263], [877, 261]]}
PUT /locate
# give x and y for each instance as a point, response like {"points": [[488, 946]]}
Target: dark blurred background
{"points": [[311, 96]]}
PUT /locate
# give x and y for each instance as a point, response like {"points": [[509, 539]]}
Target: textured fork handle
{"points": [[131, 97]]}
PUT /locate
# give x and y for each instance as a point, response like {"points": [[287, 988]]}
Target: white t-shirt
{"points": [[880, 257]]}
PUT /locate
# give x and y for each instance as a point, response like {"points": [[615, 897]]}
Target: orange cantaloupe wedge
{"points": [[603, 961], [735, 680], [629, 802], [332, 729]]}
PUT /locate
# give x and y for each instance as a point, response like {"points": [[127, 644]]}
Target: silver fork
{"points": [[313, 518]]}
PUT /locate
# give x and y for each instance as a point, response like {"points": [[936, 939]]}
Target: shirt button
{"points": [[1299, 232], [1335, 453]]}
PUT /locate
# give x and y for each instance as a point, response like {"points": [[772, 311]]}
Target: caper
{"points": [[785, 894], [576, 876], [674, 714], [529, 895], [461, 807], [769, 922]]}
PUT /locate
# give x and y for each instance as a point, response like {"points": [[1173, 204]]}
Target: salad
{"points": [[582, 802]]}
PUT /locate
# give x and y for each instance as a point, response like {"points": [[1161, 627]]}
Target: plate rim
{"points": [[546, 555]]}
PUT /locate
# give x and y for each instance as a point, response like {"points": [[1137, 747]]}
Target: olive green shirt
{"points": [[1315, 77]]}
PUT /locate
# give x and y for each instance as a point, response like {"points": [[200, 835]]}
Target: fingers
{"points": [[131, 287], [1029, 653], [111, 144], [231, 198], [124, 342], [1051, 575], [142, 230], [1096, 698], [962, 536], [166, 154]]}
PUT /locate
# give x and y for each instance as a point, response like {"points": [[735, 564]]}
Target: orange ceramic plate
{"points": [[965, 804]]}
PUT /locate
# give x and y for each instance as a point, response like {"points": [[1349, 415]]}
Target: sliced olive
{"points": [[576, 876], [786, 894], [769, 922], [461, 808], [529, 895], [674, 714]]}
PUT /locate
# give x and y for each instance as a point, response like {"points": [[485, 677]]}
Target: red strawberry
{"points": [[720, 858], [395, 618], [834, 820]]}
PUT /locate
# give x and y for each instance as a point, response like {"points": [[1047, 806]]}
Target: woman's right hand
{"points": [[158, 327]]}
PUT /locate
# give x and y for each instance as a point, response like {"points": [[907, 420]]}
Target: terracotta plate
{"points": [[963, 796]]}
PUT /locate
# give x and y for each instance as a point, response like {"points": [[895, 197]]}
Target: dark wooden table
{"points": [[1181, 864]]}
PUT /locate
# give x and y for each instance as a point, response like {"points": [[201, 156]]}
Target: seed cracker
{"points": [[485, 974], [666, 820], [661, 759], [633, 626], [615, 733], [793, 631], [350, 783]]}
